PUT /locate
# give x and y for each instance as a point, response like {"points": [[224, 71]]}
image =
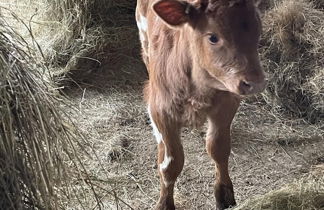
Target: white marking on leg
{"points": [[138, 23], [165, 164], [141, 35], [166, 160], [142, 23], [156, 132], [142, 26]]}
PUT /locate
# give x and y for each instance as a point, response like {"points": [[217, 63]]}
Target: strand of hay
{"points": [[292, 50], [36, 141], [307, 194]]}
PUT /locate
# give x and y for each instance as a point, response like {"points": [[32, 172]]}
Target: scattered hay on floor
{"points": [[307, 193], [292, 49]]}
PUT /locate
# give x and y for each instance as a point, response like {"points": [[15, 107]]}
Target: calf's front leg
{"points": [[170, 157], [218, 145]]}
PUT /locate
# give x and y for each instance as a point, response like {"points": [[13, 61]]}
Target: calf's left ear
{"points": [[173, 12]]}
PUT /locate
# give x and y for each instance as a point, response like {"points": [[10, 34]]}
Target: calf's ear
{"points": [[173, 12]]}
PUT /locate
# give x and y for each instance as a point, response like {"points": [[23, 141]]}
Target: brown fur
{"points": [[191, 80]]}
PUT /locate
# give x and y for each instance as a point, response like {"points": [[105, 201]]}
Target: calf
{"points": [[201, 56]]}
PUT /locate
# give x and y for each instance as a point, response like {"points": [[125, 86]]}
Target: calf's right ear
{"points": [[173, 12]]}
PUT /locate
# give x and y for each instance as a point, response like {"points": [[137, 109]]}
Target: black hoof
{"points": [[165, 204], [224, 197]]}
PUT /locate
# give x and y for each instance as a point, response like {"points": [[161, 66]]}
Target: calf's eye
{"points": [[213, 39]]}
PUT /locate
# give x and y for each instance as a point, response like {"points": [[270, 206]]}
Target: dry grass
{"points": [[292, 51], [90, 33], [37, 139], [306, 193], [77, 37], [30, 129]]}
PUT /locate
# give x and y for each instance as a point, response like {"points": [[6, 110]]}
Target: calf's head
{"points": [[223, 35]]}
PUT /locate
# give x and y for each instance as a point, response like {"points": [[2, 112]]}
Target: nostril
{"points": [[246, 85], [251, 87]]}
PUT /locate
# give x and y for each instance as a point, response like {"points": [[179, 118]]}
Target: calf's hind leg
{"points": [[170, 157], [218, 144]]}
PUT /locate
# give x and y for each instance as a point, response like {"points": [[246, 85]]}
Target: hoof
{"points": [[165, 204], [164, 207], [224, 197]]}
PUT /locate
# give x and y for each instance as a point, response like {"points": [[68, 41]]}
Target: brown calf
{"points": [[201, 56]]}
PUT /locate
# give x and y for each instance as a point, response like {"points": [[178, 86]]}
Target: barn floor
{"points": [[266, 152]]}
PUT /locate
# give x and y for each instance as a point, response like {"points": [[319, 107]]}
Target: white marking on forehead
{"points": [[142, 23], [156, 132]]}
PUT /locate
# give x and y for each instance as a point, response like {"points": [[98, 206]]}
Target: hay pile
{"points": [[79, 36], [35, 139], [292, 49], [89, 33], [307, 193]]}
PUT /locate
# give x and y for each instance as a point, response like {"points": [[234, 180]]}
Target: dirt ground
{"points": [[266, 152]]}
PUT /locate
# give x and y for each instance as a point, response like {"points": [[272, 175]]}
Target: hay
{"points": [[90, 33], [78, 37], [36, 141], [292, 49], [307, 193]]}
